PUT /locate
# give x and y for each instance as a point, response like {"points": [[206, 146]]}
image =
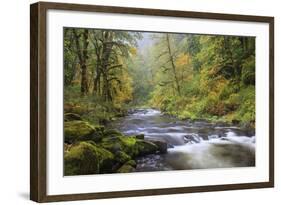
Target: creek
{"points": [[191, 144]]}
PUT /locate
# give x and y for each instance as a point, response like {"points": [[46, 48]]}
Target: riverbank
{"points": [[228, 120], [191, 144], [231, 104], [90, 149], [149, 140]]}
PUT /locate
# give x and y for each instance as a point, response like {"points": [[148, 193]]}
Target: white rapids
{"points": [[192, 145]]}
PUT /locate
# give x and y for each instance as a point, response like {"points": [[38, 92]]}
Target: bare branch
{"points": [[114, 66]]}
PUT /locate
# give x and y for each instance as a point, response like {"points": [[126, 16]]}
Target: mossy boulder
{"points": [[113, 152], [112, 133], [71, 117], [131, 163], [145, 147], [120, 143], [162, 146], [122, 157], [140, 136], [126, 169], [87, 158], [130, 145], [79, 130]]}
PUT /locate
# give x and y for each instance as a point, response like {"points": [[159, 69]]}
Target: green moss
{"points": [[131, 163], [81, 159], [71, 117], [162, 146], [81, 130], [128, 141], [106, 160], [145, 147], [129, 145], [88, 158], [111, 143], [120, 143], [126, 169], [122, 157], [112, 133]]}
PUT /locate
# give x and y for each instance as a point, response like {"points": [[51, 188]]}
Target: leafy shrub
{"points": [[248, 71]]}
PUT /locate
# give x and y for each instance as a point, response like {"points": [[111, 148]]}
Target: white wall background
{"points": [[14, 101]]}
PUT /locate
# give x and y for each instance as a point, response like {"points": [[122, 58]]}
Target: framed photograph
{"points": [[134, 102]]}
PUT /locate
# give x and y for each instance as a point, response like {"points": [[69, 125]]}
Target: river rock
{"points": [[122, 157], [87, 158], [130, 145], [71, 117], [120, 143], [79, 130], [126, 168], [145, 147], [162, 145], [140, 136], [191, 138], [132, 163], [111, 133]]}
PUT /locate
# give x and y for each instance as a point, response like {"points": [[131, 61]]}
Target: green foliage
{"points": [[217, 83], [248, 71], [246, 110], [185, 75], [189, 76], [97, 83], [146, 147], [90, 108]]}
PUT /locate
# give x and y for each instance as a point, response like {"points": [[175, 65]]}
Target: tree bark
{"points": [[106, 51], [83, 57], [97, 78], [173, 65]]}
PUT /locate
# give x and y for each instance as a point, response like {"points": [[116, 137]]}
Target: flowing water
{"points": [[191, 145]]}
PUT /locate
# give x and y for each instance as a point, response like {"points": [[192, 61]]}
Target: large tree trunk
{"points": [[97, 77], [107, 49], [83, 57], [96, 89], [84, 80], [173, 65]]}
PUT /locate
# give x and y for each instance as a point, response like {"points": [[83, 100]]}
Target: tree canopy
{"points": [[186, 75]]}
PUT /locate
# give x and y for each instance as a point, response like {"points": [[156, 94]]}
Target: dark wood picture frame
{"points": [[38, 101]]}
